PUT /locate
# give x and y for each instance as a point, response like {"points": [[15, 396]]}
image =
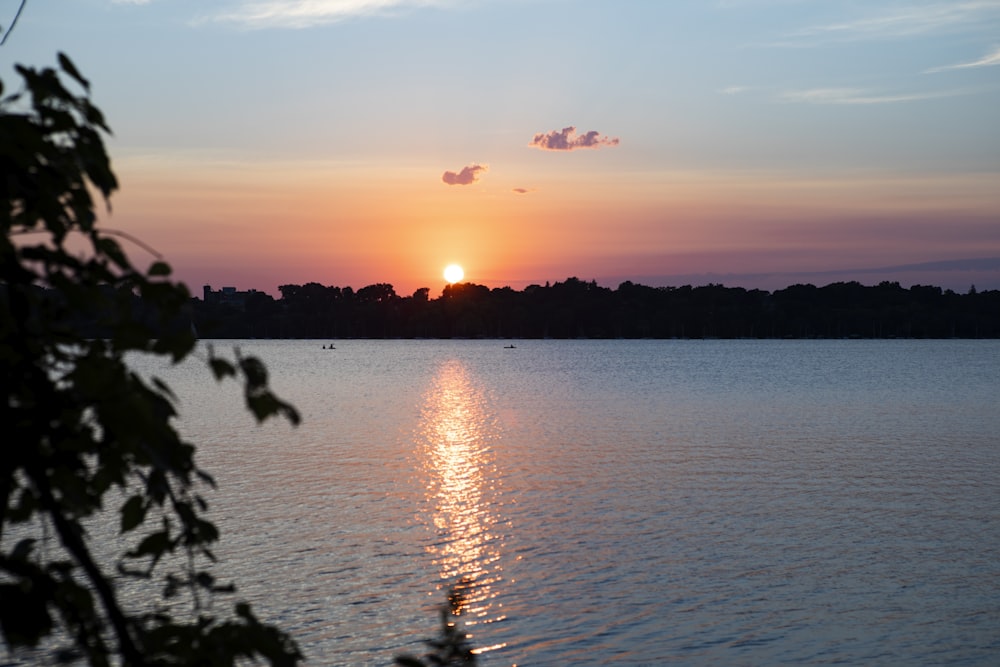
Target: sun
{"points": [[453, 273]]}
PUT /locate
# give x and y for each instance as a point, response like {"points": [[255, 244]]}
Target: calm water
{"points": [[618, 502]]}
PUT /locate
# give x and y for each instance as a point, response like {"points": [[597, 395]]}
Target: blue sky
{"points": [[753, 136]]}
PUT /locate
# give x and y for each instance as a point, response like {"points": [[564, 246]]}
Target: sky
{"points": [[753, 143]]}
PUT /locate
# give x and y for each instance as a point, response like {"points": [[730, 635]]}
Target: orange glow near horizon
{"points": [[263, 225]]}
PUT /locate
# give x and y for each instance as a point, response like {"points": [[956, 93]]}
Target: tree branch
{"points": [[73, 543], [20, 7]]}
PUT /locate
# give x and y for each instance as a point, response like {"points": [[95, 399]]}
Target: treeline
{"points": [[580, 309]]}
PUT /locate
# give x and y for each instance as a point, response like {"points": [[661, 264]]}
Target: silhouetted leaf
{"points": [[23, 549], [159, 269], [133, 513], [155, 545], [68, 67], [254, 371], [221, 368]]}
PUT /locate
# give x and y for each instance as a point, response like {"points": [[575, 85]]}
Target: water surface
{"points": [[618, 502]]}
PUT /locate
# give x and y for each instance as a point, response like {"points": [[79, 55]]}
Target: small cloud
{"points": [[988, 60], [568, 140], [906, 20], [521, 191], [734, 90], [467, 176], [859, 96], [310, 13]]}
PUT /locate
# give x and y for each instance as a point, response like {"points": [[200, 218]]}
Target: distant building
{"points": [[227, 296]]}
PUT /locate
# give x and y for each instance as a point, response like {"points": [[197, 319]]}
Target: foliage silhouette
{"points": [[451, 648], [85, 434]]}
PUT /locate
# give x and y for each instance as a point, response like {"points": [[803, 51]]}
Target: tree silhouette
{"points": [[576, 308], [85, 436]]}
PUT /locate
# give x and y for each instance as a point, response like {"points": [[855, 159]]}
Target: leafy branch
{"points": [[83, 431]]}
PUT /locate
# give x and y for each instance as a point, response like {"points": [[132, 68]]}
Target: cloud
{"points": [[467, 176], [521, 191], [310, 13], [905, 21], [859, 96], [568, 140], [733, 90], [988, 60]]}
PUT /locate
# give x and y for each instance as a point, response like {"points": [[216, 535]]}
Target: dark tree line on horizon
{"points": [[579, 309]]}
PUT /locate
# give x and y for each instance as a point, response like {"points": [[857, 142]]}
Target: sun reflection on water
{"points": [[455, 445]]}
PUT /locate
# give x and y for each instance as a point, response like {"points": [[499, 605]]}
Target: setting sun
{"points": [[453, 273]]}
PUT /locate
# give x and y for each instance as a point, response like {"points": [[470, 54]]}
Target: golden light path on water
{"points": [[455, 446]]}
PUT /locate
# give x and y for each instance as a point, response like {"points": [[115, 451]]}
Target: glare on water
{"points": [[454, 444]]}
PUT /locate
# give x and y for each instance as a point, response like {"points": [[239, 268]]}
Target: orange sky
{"points": [[261, 224]]}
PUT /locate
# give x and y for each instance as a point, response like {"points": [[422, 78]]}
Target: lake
{"points": [[616, 502]]}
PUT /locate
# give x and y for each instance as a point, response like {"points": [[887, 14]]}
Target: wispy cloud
{"points": [[988, 60], [309, 13], [902, 22], [568, 140], [521, 191], [733, 90], [861, 96], [467, 176]]}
